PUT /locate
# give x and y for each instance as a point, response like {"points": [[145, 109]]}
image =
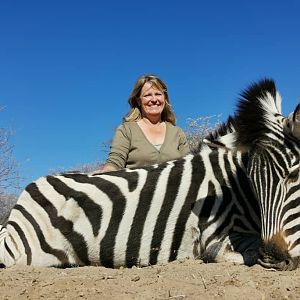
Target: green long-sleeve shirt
{"points": [[130, 147]]}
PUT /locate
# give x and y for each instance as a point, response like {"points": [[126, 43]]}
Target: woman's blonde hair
{"points": [[135, 113]]}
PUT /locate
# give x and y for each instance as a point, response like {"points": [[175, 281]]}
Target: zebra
{"points": [[224, 136], [238, 204]]}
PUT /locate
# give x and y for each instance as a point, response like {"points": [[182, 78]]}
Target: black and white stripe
{"points": [[201, 206]]}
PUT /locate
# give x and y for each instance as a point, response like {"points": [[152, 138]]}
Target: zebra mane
{"points": [[223, 136], [223, 129], [257, 112]]}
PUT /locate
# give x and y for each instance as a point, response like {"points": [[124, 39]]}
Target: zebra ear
{"points": [[292, 124]]}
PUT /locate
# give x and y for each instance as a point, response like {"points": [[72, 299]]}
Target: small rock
{"points": [[136, 278]]}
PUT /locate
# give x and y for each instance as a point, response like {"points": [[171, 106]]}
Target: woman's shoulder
{"points": [[131, 125], [174, 128], [128, 128], [127, 125]]}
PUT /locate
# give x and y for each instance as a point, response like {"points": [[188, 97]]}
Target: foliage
{"points": [[9, 176], [84, 168], [7, 201], [198, 129]]}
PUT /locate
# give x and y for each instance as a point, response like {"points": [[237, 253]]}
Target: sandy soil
{"points": [[178, 280]]}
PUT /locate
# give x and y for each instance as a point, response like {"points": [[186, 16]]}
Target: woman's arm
{"points": [[118, 151], [183, 147], [105, 168]]}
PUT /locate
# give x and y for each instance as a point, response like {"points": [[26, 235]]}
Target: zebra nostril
{"points": [[2, 266], [292, 263]]}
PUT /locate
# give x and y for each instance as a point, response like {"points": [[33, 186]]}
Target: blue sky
{"points": [[68, 67]]}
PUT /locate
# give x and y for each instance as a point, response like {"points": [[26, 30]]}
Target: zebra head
{"points": [[273, 144]]}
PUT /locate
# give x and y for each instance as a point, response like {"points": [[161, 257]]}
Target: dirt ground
{"points": [[188, 279]]}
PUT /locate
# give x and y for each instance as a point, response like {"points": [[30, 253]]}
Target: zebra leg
{"points": [[237, 248]]}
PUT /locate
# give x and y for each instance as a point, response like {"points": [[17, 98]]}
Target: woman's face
{"points": [[152, 100]]}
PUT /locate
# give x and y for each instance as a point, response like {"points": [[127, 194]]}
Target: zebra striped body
{"points": [[238, 203], [131, 217]]}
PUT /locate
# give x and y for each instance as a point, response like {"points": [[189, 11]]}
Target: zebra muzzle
{"points": [[272, 257]]}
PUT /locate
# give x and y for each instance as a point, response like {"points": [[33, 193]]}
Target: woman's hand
{"points": [[106, 168]]}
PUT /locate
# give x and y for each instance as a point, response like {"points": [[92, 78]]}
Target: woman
{"points": [[149, 134]]}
